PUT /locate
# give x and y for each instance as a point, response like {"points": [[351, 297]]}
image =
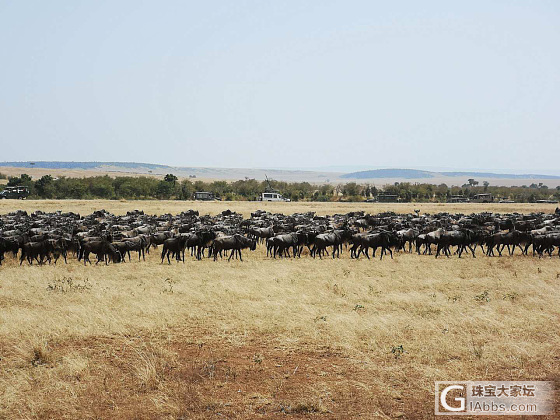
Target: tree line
{"points": [[170, 187]]}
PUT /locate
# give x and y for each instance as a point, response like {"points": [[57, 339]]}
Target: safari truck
{"points": [[270, 194], [19, 193]]}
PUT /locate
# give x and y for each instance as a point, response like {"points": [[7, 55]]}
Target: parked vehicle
{"points": [[272, 196], [204, 195], [20, 193]]}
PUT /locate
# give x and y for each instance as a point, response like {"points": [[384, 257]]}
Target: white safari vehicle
{"points": [[272, 196]]}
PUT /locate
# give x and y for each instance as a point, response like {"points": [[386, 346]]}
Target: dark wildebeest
{"points": [[461, 238], [139, 244], [432, 238], [8, 244], [234, 243], [281, 244], [159, 238], [383, 239], [357, 241], [407, 236], [57, 248], [199, 241], [546, 243], [104, 250], [510, 239], [334, 239], [34, 251], [262, 233], [176, 246]]}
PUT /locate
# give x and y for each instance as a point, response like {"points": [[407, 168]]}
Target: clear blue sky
{"points": [[470, 84]]}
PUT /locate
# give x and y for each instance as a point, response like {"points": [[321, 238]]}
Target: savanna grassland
{"points": [[264, 338]]}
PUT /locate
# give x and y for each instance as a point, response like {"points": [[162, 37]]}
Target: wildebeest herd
{"points": [[46, 237]]}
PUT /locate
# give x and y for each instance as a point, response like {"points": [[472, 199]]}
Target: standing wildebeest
{"points": [[546, 243], [138, 243], [510, 239], [334, 239], [262, 234], [176, 246], [407, 236], [382, 239], [461, 238], [159, 238], [234, 243], [199, 241], [8, 244], [432, 238], [104, 250], [34, 251], [281, 244]]}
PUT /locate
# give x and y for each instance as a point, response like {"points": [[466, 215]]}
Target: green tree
{"points": [[351, 189], [45, 187], [170, 178], [187, 190], [164, 190]]}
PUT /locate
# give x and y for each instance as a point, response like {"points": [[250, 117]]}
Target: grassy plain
{"points": [[246, 207], [264, 338]]}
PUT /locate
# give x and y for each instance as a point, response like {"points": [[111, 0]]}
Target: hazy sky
{"points": [[470, 84]]}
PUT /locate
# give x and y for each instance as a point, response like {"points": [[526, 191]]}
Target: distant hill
{"points": [[416, 174], [38, 168], [499, 176], [81, 165], [79, 169], [390, 173]]}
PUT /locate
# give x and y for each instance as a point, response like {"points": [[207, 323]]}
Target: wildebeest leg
{"points": [[231, 254]]}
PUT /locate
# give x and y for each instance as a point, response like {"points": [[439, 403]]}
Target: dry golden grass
{"points": [[246, 207], [267, 338]]}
